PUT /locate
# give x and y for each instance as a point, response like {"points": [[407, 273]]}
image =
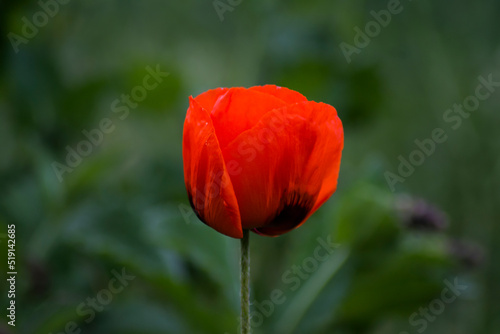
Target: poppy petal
{"points": [[209, 187], [281, 163], [238, 110], [332, 153], [323, 165], [207, 99], [283, 93]]}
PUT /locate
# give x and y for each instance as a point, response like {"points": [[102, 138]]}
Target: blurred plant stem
{"points": [[245, 283]]}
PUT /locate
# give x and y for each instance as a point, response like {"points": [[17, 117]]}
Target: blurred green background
{"points": [[123, 208]]}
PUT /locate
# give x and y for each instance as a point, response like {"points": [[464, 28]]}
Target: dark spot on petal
{"points": [[294, 209], [190, 197]]}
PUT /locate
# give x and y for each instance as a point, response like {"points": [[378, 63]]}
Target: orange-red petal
{"points": [[238, 110], [207, 99], [209, 187], [287, 95], [287, 164]]}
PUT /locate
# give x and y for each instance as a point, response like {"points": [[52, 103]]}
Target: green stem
{"points": [[245, 283]]}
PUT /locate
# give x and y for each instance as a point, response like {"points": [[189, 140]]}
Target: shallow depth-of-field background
{"points": [[105, 240]]}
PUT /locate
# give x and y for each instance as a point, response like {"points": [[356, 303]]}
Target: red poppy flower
{"points": [[263, 158]]}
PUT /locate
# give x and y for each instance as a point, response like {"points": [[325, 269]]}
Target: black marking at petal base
{"points": [[294, 208], [190, 197]]}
